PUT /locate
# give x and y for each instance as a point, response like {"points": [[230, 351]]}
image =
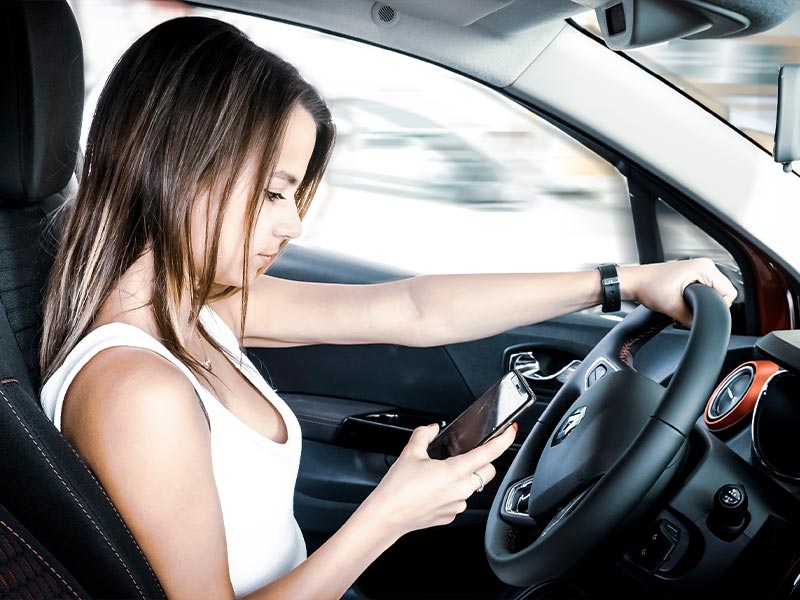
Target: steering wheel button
{"points": [[598, 372]]}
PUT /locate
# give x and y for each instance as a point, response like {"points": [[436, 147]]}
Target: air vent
{"points": [[736, 396], [731, 393]]}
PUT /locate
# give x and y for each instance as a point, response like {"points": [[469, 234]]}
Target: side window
{"points": [[680, 239], [456, 179], [432, 172]]}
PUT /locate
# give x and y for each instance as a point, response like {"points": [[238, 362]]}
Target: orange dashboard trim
{"points": [[763, 370]]}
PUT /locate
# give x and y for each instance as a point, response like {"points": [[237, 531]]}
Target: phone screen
{"points": [[489, 414]]}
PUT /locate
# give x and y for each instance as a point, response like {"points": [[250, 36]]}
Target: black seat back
{"points": [[43, 482]]}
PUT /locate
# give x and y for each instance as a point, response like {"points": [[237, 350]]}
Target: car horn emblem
{"points": [[569, 424]]}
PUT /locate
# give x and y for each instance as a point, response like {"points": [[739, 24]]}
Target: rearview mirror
{"points": [[787, 126], [627, 24]]}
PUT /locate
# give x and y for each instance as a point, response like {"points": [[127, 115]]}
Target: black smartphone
{"points": [[487, 417]]}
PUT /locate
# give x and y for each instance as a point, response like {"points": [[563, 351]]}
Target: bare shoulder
{"points": [[134, 417], [126, 389]]}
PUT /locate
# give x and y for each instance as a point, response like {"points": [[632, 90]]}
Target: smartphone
{"points": [[487, 417]]}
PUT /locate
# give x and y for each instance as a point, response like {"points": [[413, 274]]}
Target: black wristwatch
{"points": [[609, 282]]}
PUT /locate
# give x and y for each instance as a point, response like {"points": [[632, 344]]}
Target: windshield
{"points": [[736, 78]]}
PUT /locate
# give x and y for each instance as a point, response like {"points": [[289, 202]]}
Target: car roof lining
{"points": [[494, 49]]}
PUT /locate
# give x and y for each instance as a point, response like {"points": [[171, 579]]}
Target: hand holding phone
{"points": [[487, 417]]}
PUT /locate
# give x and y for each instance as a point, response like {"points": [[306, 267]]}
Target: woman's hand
{"points": [[660, 286], [420, 492]]}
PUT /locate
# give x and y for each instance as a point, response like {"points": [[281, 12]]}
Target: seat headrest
{"points": [[41, 98]]}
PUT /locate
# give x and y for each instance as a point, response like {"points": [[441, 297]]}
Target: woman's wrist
{"points": [[629, 282], [372, 513]]}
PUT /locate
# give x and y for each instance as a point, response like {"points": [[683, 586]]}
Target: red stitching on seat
{"points": [[72, 494], [114, 508], [6, 549], [16, 535]]}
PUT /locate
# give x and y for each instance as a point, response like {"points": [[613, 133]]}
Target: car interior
{"points": [[664, 459]]}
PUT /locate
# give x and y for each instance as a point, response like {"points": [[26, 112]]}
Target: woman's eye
{"points": [[275, 195]]}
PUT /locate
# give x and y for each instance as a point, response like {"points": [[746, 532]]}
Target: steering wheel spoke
{"points": [[565, 510]]}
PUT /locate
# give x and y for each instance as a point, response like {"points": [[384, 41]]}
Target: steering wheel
{"points": [[605, 447]]}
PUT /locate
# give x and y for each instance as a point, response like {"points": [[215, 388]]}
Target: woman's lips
{"points": [[266, 258]]}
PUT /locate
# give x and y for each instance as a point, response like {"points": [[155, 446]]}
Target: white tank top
{"points": [[255, 476]]}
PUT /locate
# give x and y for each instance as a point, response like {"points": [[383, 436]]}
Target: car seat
{"points": [[60, 535]]}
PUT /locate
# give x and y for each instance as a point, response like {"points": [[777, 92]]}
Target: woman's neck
{"points": [[129, 301]]}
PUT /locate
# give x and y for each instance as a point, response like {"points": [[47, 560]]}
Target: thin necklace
{"points": [[206, 364]]}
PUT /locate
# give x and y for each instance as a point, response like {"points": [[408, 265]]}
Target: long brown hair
{"points": [[181, 113]]}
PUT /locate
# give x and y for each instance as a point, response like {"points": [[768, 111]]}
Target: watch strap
{"points": [[609, 283]]}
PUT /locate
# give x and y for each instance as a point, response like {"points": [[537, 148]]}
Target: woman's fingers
{"points": [[660, 286], [481, 477], [708, 274], [419, 491], [421, 438], [483, 455]]}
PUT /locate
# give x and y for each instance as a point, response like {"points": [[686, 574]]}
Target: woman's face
{"points": [[276, 215]]}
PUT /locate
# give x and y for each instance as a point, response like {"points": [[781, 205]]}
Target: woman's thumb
{"points": [[423, 436]]}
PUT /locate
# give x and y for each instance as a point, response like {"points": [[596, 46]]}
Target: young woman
{"points": [[202, 158]]}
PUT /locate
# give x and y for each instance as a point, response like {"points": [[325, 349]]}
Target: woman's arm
{"points": [[433, 310], [416, 493], [144, 435]]}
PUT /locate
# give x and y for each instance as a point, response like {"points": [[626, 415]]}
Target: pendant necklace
{"points": [[206, 364]]}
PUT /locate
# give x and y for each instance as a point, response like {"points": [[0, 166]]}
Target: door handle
{"points": [[528, 366], [525, 363]]}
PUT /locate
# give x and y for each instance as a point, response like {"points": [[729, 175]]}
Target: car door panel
{"points": [[424, 380], [321, 417]]}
